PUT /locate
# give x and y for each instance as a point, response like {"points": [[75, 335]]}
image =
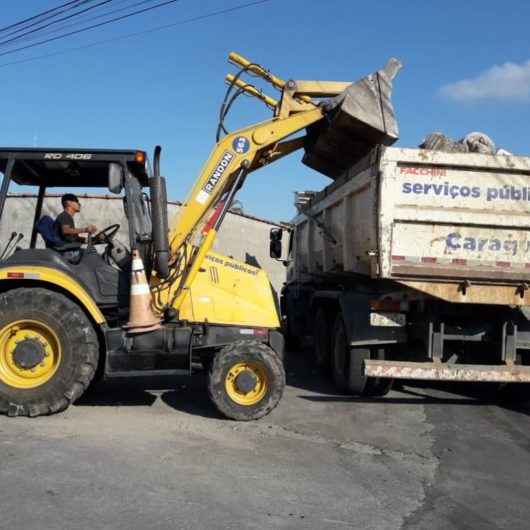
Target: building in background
{"points": [[242, 236]]}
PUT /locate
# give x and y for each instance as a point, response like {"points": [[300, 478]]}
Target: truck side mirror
{"points": [[276, 234], [275, 248], [115, 178]]}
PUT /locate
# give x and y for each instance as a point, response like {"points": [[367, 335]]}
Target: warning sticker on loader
{"points": [[215, 177], [241, 145]]}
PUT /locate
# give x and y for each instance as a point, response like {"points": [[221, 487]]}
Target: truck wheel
{"points": [[358, 383], [322, 340], [348, 366], [340, 354], [377, 386], [48, 352], [246, 380]]}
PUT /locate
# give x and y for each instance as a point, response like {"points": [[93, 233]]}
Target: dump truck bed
{"points": [[426, 219]]}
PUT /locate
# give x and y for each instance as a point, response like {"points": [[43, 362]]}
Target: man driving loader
{"points": [[65, 221]]}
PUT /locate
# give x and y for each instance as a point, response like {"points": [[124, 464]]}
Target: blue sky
{"points": [[165, 87]]}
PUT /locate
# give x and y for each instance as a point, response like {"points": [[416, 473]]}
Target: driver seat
{"points": [[47, 229]]}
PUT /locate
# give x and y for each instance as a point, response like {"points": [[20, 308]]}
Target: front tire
{"points": [[246, 380], [48, 352]]}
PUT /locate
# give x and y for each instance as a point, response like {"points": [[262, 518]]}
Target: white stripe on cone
{"points": [[140, 289], [137, 265]]}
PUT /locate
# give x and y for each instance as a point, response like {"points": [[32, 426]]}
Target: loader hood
{"points": [[356, 121]]}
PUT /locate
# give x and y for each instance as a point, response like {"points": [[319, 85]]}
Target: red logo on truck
{"points": [[431, 171]]}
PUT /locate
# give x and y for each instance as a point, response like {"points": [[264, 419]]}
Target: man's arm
{"points": [[68, 230]]}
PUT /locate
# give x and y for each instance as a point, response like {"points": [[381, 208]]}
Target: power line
{"points": [[102, 15], [88, 19], [38, 15], [93, 26], [140, 33], [67, 17], [40, 20]]}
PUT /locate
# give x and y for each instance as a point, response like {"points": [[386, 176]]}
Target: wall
{"points": [[242, 237]]}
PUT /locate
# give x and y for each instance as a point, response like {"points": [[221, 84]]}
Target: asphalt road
{"points": [[126, 457]]}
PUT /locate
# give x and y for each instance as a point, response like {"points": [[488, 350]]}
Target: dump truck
{"points": [[166, 303], [413, 264]]}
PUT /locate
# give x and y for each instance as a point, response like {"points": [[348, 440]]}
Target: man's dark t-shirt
{"points": [[65, 219]]}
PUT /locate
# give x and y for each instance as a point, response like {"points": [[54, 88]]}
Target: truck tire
{"points": [[322, 342], [48, 352], [358, 383], [340, 354], [348, 366], [246, 380], [377, 386]]}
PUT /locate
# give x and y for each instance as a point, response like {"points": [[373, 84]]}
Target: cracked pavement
{"points": [[131, 456]]}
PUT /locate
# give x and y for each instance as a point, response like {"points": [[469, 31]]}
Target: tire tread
{"points": [[82, 336], [218, 367]]}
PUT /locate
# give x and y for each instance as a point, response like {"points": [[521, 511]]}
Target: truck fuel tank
{"points": [[357, 119]]}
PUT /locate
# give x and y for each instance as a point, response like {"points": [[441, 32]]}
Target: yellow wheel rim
{"points": [[255, 373], [31, 371]]}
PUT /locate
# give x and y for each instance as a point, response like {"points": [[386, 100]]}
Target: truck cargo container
{"points": [[413, 264]]}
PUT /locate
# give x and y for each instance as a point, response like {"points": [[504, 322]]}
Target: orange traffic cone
{"points": [[141, 315]]}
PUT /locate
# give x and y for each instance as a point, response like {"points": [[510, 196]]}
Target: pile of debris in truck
{"points": [[474, 142]]}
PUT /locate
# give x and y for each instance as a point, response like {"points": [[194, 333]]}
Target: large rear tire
{"points": [[322, 341], [348, 366], [340, 353], [48, 352], [246, 380], [377, 386]]}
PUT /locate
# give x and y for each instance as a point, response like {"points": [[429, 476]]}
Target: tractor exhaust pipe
{"points": [[157, 187], [358, 119]]}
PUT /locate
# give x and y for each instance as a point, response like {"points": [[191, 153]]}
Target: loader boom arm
{"points": [[237, 154], [258, 143]]}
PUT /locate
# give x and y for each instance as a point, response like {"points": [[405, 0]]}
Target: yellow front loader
{"points": [[165, 304]]}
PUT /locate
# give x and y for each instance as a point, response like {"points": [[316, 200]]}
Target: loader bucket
{"points": [[358, 119]]}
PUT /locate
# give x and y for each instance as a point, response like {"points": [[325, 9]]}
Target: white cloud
{"points": [[509, 81]]}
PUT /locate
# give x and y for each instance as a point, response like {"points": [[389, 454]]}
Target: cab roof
{"points": [[67, 167]]}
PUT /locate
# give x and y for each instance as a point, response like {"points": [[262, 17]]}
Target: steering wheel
{"points": [[105, 236], [115, 252]]}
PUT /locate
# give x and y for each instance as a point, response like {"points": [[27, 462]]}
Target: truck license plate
{"points": [[387, 319]]}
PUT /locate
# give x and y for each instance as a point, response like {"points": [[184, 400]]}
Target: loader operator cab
{"points": [[28, 234]]}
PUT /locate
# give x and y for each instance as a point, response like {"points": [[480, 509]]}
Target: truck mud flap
{"points": [[358, 119], [445, 372]]}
